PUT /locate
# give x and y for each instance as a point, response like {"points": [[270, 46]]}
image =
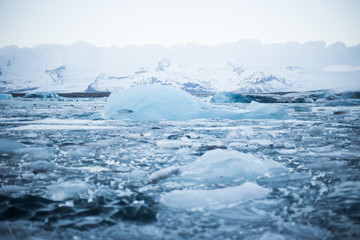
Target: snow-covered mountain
{"points": [[246, 66]]}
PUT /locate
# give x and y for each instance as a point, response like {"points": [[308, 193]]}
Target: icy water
{"points": [[66, 173]]}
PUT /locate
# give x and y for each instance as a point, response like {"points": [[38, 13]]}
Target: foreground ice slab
{"points": [[213, 199], [158, 102], [224, 165]]}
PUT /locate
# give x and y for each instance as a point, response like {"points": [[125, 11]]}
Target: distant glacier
{"points": [[244, 67]]}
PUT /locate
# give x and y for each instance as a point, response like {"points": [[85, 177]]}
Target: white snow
{"points": [[245, 66], [213, 199]]}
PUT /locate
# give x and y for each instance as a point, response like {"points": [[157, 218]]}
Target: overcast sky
{"points": [[167, 22]]}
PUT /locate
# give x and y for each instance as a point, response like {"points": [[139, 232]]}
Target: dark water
{"points": [[66, 173]]}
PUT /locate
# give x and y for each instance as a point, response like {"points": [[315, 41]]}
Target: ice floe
{"points": [[227, 165], [64, 190], [213, 199]]}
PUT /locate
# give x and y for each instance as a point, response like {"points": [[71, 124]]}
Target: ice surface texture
{"points": [[158, 102]]}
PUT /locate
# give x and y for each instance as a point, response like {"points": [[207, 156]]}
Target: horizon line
{"points": [[183, 44]]}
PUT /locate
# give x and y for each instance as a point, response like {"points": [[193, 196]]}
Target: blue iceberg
{"points": [[4, 96], [43, 95], [159, 102]]}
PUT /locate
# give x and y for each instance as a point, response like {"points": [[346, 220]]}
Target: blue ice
{"points": [[158, 102], [44, 95], [4, 96]]}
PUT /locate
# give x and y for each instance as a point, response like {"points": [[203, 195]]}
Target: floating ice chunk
{"points": [[4, 96], [263, 111], [158, 102], [10, 146], [64, 190], [287, 151], [39, 166], [271, 236], [225, 165], [213, 199], [172, 144], [154, 102], [43, 95], [163, 173], [229, 97]]}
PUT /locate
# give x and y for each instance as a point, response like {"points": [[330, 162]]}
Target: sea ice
{"points": [[223, 165], [64, 190], [257, 110], [163, 173], [4, 96], [213, 199], [158, 102], [9, 146]]}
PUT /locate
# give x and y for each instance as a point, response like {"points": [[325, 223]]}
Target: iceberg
{"points": [[229, 97], [43, 95], [4, 96], [159, 102], [228, 165], [213, 199], [257, 110]]}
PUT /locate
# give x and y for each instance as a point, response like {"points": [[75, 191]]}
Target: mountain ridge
{"points": [[244, 66]]}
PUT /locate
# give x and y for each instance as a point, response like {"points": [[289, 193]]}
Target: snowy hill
{"points": [[245, 66]]}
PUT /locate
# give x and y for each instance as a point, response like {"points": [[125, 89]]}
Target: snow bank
{"points": [[4, 96], [158, 102], [224, 165], [213, 199]]}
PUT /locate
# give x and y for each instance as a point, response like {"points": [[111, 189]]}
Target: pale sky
{"points": [[168, 22]]}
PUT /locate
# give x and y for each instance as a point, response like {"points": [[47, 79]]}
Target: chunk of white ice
{"points": [[220, 165], [213, 199], [64, 190], [163, 173]]}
